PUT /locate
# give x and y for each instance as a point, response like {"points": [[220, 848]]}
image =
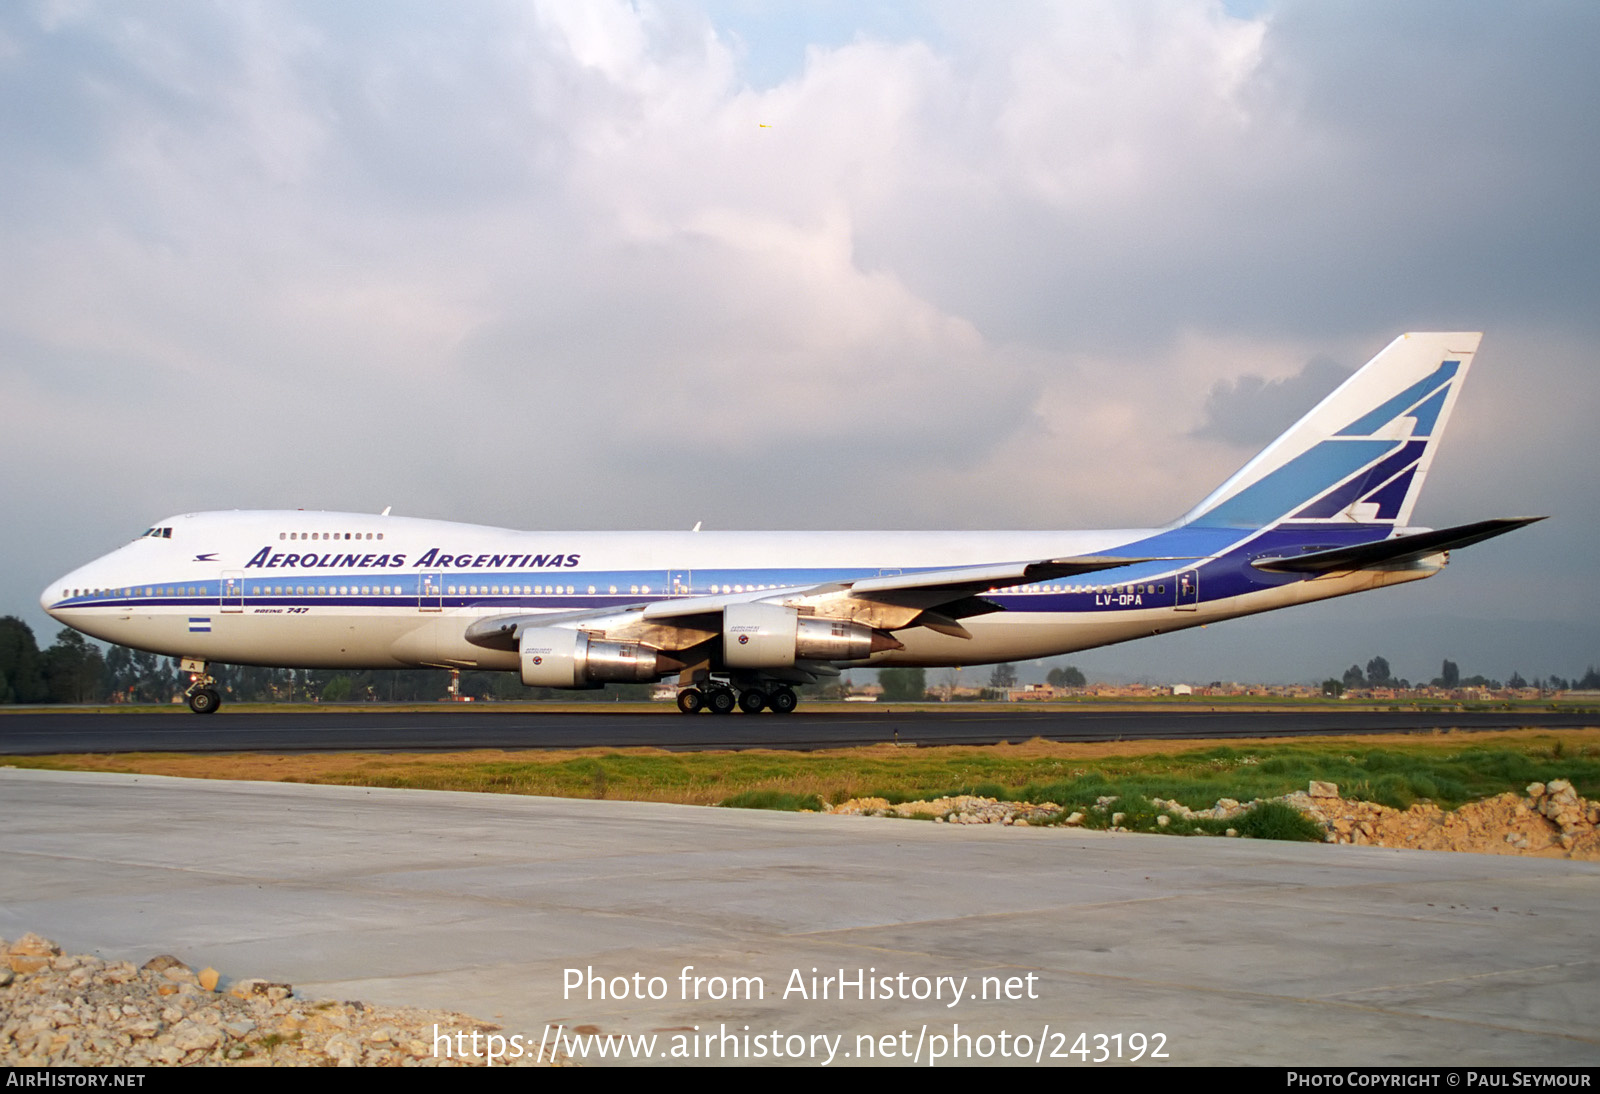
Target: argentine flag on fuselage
{"points": [[1362, 453]]}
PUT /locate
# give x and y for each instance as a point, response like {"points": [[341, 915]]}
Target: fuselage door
{"points": [[1188, 591], [430, 593], [233, 591]]}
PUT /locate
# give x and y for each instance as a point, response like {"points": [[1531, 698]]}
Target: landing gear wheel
{"points": [[721, 701], [782, 701], [204, 701], [751, 701], [690, 701]]}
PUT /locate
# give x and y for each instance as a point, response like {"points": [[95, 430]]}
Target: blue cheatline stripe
{"points": [[1302, 478], [1389, 411]]}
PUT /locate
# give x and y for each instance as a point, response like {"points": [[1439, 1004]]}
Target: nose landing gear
{"points": [[201, 693]]}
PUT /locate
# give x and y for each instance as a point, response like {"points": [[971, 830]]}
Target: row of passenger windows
{"points": [[329, 535], [390, 590], [329, 590], [611, 590], [517, 590], [1145, 590], [143, 590], [537, 590]]}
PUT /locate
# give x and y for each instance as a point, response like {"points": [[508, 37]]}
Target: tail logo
{"points": [[1384, 485], [1361, 455]]}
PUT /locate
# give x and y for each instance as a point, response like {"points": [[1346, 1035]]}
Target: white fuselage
{"points": [[343, 590]]}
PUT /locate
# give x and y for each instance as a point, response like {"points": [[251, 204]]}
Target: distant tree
{"points": [[74, 670], [1590, 681], [19, 661], [1068, 677], [1332, 688], [1449, 676], [903, 684], [1004, 677], [1353, 678], [149, 679], [1378, 673], [119, 662], [1516, 681]]}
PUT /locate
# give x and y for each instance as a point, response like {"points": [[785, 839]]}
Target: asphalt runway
{"points": [[453, 729]]}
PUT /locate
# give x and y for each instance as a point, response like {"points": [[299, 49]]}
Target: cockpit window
{"points": [[157, 533]]}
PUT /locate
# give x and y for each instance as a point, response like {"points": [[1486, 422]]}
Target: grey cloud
{"points": [[1409, 168], [1251, 411]]}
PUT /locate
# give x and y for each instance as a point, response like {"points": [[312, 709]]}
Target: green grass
{"points": [[1276, 820], [1396, 776], [1448, 769], [775, 799]]}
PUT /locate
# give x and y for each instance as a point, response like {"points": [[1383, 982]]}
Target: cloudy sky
{"points": [[593, 264]]}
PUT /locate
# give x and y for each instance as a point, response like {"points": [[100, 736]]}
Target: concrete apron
{"points": [[534, 911]]}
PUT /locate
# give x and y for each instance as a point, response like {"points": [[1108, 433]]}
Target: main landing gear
{"points": [[721, 699], [202, 693]]}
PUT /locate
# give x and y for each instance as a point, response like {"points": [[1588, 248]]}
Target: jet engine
{"points": [[770, 636], [554, 657]]}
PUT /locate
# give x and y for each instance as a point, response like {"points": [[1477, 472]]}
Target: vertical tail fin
{"points": [[1361, 455]]}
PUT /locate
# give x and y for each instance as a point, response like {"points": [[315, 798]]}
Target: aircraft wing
{"points": [[1399, 549], [932, 598], [925, 587], [971, 579]]}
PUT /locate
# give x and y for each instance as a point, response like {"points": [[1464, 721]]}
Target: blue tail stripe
{"points": [[1390, 497], [1305, 476], [1370, 422], [1428, 413], [1331, 504]]}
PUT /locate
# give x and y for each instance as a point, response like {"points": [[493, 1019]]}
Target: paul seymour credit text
{"points": [[915, 1043]]}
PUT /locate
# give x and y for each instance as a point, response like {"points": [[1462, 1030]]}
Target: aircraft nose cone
{"points": [[50, 597]]}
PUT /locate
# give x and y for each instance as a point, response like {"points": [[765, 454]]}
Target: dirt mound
{"points": [[1551, 821]]}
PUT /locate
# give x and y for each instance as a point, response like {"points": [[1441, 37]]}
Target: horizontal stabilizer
{"points": [[1400, 549]]}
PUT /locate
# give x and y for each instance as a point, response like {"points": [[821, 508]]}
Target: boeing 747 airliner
{"points": [[741, 617]]}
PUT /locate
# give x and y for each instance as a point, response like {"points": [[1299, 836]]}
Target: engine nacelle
{"points": [[555, 657], [770, 636]]}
